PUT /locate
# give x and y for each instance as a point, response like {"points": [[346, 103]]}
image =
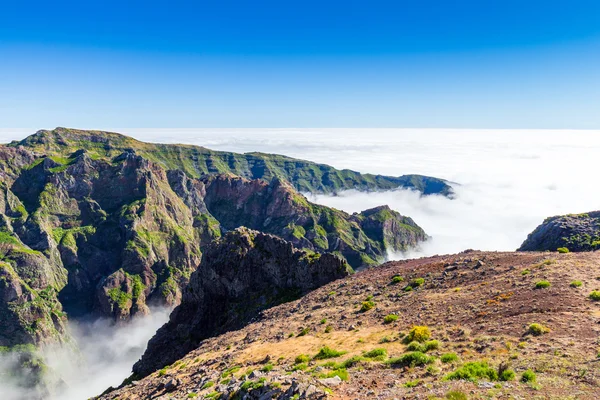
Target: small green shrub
{"points": [[267, 368], [411, 384], [542, 285], [415, 346], [408, 289], [397, 279], [349, 363], [300, 367], [375, 353], [162, 372], [417, 282], [562, 250], [366, 306], [456, 395], [304, 332], [473, 371], [413, 359], [327, 352], [525, 272], [207, 385], [323, 321], [388, 319], [341, 372], [192, 395], [418, 334], [528, 376], [576, 284], [328, 328], [449, 358], [432, 345], [302, 358], [536, 329], [595, 295], [385, 339], [507, 375]]}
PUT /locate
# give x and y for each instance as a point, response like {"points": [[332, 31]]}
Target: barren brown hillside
{"points": [[479, 308]]}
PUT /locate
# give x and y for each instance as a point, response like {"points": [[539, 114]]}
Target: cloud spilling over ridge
{"points": [[108, 352], [104, 358]]}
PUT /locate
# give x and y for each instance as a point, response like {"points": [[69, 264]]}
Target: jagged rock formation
{"points": [[241, 274], [196, 161], [576, 232]]}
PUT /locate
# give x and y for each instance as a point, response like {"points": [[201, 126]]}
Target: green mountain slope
{"points": [[196, 161]]}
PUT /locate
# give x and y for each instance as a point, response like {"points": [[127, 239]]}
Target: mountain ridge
{"points": [[196, 161]]}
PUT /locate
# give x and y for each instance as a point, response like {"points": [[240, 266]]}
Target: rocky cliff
{"points": [[196, 161], [241, 274], [575, 232]]}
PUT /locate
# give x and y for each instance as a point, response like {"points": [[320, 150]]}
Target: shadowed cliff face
{"points": [[576, 232], [240, 275]]}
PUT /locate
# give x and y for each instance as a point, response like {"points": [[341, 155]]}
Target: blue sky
{"points": [[451, 64]]}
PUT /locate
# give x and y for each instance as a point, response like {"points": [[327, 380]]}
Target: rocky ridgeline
{"points": [[575, 232]]}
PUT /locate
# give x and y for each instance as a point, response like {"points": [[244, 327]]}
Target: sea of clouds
{"points": [[506, 183]]}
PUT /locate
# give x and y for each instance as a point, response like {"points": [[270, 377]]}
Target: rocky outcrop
{"points": [[576, 232], [196, 161], [243, 273]]}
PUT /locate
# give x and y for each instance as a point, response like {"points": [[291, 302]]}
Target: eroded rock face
{"points": [[577, 232], [363, 239], [240, 275]]}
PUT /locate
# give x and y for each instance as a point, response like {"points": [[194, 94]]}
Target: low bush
{"points": [[327, 352], [415, 346], [351, 362], [456, 395], [473, 371], [302, 358], [595, 295], [432, 345], [576, 284], [536, 329], [528, 376], [304, 332], [449, 358], [417, 282], [562, 250], [507, 375], [388, 319], [413, 359], [375, 353], [366, 306], [418, 334], [542, 285], [397, 279]]}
